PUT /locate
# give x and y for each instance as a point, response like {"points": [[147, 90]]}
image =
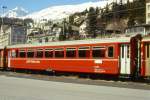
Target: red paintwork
{"points": [[67, 65], [88, 65], [1, 58], [135, 56], [143, 58]]}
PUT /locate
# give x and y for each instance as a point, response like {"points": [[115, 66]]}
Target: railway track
{"points": [[80, 79]]}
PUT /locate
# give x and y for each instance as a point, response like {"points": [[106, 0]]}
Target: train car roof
{"points": [[2, 47], [146, 39], [75, 42]]}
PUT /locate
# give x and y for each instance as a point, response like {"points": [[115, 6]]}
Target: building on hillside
{"points": [[74, 35], [13, 31], [112, 29], [42, 36], [57, 31], [13, 34], [138, 29], [147, 11], [82, 29]]}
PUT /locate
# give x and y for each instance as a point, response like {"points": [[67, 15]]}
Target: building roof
{"points": [[146, 38], [2, 47], [142, 25]]}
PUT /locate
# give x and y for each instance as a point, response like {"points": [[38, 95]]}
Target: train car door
{"points": [[147, 59], [125, 59], [8, 56]]}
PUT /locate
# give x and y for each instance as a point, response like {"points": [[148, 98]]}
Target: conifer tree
{"points": [[92, 22]]}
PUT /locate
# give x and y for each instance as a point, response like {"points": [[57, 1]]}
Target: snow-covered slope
{"points": [[59, 12], [16, 12]]}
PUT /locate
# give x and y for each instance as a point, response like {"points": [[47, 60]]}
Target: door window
{"points": [[111, 51], [128, 51], [122, 51]]}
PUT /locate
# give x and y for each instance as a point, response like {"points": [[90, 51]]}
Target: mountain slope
{"points": [[59, 12], [16, 12]]}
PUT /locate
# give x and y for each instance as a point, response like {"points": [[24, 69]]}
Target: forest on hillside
{"points": [[98, 18]]}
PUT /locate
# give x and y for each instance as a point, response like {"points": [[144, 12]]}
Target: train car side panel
{"points": [[105, 66]]}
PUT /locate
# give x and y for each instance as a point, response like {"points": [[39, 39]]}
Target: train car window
{"points": [[39, 53], [98, 52], [59, 52], [30, 53], [14, 53], [111, 51], [71, 52], [22, 53], [147, 50], [48, 53], [84, 52]]}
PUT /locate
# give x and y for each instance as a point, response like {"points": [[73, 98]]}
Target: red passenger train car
{"points": [[113, 56], [145, 57], [1, 57]]}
